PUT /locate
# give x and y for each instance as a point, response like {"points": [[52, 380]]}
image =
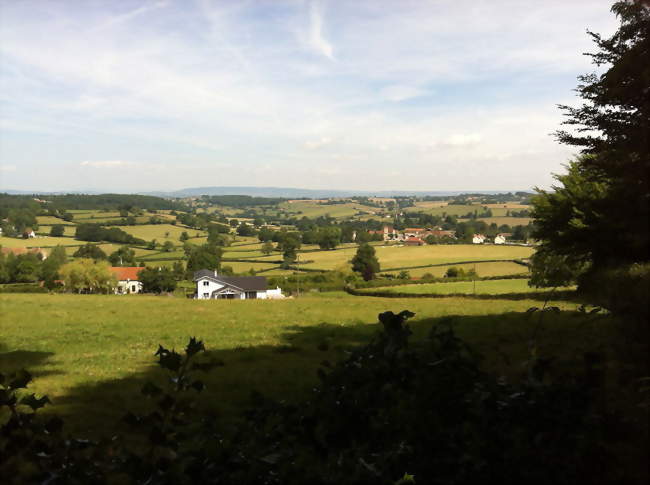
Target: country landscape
{"points": [[256, 332]]}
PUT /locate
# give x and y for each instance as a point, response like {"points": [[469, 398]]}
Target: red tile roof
{"points": [[123, 273]]}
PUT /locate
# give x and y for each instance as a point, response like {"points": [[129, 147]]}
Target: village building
{"points": [[210, 286], [414, 241], [478, 239], [29, 233], [413, 232], [501, 238], [127, 279]]}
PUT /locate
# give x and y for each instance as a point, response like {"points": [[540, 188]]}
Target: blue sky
{"points": [[373, 95]]}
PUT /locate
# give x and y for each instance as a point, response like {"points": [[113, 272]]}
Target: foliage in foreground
{"points": [[387, 412]]}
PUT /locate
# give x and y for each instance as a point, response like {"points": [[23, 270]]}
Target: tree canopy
{"points": [[597, 216]]}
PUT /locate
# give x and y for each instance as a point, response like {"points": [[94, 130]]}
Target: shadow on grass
{"points": [[34, 361], [287, 371]]}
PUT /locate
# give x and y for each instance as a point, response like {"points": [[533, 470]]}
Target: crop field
{"points": [[51, 220], [91, 354], [38, 242], [485, 287], [482, 269], [313, 209], [405, 256], [511, 221], [161, 232]]}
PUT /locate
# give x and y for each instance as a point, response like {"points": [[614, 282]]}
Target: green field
{"points": [[91, 354], [313, 209], [511, 221], [485, 287], [405, 256], [38, 242], [44, 229], [482, 269], [162, 232]]}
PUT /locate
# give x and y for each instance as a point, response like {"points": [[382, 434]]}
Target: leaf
{"points": [[194, 347], [33, 402], [170, 360]]}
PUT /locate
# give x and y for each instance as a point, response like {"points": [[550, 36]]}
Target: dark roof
{"points": [[203, 272], [247, 283]]}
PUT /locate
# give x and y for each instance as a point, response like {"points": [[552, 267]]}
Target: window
{"points": [[134, 289], [206, 283], [206, 295], [251, 295]]}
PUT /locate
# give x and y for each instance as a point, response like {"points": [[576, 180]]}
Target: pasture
{"points": [[162, 232], [311, 209], [396, 257], [481, 287], [482, 269], [91, 354]]}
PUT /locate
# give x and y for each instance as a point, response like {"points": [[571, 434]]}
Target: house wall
{"points": [[204, 291], [127, 286]]}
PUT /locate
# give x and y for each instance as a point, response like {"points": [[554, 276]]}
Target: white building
{"points": [[499, 239], [127, 279], [478, 239], [209, 285]]}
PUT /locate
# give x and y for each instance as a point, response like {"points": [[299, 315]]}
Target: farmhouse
{"points": [[478, 239], [29, 233], [502, 238], [414, 241], [127, 279], [209, 285]]}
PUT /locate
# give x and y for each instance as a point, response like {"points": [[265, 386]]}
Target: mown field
{"points": [[485, 287], [92, 353], [405, 256]]}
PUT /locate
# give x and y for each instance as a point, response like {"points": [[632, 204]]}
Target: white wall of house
{"points": [[478, 239], [205, 287], [499, 240], [128, 286]]}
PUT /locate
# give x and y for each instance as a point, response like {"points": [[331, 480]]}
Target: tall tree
{"points": [[597, 216], [365, 262]]}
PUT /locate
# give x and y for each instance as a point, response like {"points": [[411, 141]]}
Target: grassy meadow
{"points": [[90, 354], [481, 287], [396, 256]]}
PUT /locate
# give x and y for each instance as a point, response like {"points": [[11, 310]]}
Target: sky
{"points": [[340, 94]]}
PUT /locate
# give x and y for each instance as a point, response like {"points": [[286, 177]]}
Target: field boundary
{"points": [[565, 295]]}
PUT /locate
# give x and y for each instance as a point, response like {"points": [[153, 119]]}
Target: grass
{"points": [[162, 232], [313, 209], [483, 269], [67, 230], [405, 256], [486, 287], [38, 242], [511, 221], [91, 353]]}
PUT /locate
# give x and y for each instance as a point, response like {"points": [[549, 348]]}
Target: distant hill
{"points": [[294, 193], [284, 192]]}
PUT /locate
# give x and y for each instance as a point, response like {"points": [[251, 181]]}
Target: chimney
{"points": [[215, 273]]}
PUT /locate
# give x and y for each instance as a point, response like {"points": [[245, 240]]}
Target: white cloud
{"points": [[7, 168], [317, 39]]}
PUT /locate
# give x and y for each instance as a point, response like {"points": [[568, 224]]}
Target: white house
{"points": [[29, 233], [500, 239], [127, 279], [478, 239], [209, 285]]}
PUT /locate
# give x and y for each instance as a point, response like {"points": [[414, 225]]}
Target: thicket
{"points": [[96, 232]]}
